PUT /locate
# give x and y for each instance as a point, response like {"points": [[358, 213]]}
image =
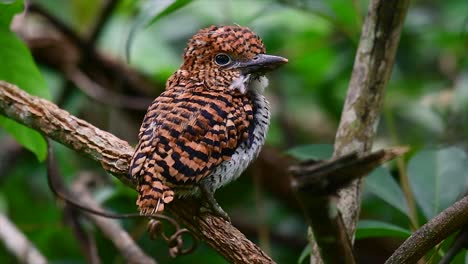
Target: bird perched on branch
{"points": [[210, 122]]}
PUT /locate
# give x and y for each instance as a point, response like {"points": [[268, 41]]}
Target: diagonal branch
{"points": [[432, 233], [111, 228], [114, 155], [17, 243]]}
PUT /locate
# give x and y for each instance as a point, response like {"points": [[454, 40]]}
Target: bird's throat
{"points": [[250, 83]]}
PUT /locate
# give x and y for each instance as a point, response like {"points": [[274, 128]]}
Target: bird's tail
{"points": [[153, 196]]}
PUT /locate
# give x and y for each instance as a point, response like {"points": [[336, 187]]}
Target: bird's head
{"points": [[229, 57]]}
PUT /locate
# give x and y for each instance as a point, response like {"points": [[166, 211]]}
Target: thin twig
{"points": [[17, 243], [432, 233], [402, 172], [104, 16], [85, 238], [10, 152], [460, 243], [114, 155], [105, 96]]}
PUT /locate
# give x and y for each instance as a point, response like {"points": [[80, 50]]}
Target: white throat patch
{"points": [[249, 83]]}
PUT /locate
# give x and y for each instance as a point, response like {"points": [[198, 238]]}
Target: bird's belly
{"points": [[231, 169]]}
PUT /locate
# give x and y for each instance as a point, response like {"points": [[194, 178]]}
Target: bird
{"points": [[210, 122]]}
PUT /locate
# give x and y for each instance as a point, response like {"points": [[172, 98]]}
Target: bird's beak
{"points": [[261, 64]]}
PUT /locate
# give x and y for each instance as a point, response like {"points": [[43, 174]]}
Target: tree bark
{"points": [[372, 69], [432, 233]]}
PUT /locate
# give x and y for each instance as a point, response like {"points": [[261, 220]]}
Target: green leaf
{"points": [[346, 16], [313, 151], [371, 228], [150, 12], [159, 9], [304, 254], [3, 204], [381, 184], [437, 178], [18, 67], [8, 9]]}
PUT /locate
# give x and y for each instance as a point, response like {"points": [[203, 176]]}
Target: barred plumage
{"points": [[209, 124]]}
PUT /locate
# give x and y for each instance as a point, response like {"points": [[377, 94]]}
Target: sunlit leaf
{"points": [[381, 184], [313, 151], [371, 228], [18, 67], [424, 116], [347, 16], [3, 204], [437, 178], [161, 8], [8, 9], [152, 11], [304, 254]]}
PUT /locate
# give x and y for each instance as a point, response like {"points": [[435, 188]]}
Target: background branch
{"points": [[111, 228], [18, 244], [103, 17], [48, 48], [114, 155], [432, 233]]}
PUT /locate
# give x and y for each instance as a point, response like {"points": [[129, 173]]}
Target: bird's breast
{"points": [[246, 152]]}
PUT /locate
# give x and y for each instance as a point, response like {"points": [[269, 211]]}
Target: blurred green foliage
{"points": [[18, 63], [425, 108]]}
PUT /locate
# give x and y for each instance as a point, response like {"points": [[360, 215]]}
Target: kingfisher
{"points": [[209, 124]]}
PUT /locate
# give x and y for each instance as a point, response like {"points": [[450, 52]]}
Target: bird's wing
{"points": [[186, 134]]}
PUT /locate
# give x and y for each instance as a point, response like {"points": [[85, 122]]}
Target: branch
{"points": [[105, 96], [109, 227], [316, 184], [18, 244], [113, 153], [99, 67], [103, 18], [432, 233], [460, 243], [371, 71], [372, 68], [114, 156]]}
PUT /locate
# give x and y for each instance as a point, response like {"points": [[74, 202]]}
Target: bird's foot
{"points": [[212, 205], [216, 210]]}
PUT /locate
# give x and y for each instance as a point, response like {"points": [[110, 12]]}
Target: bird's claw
{"points": [[216, 210]]}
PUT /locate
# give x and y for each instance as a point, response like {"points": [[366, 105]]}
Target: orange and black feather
{"points": [[186, 133]]}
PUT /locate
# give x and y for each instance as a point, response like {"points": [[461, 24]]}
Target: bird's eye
{"points": [[222, 59]]}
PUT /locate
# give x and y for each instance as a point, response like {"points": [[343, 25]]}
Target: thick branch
{"points": [[114, 155], [372, 68], [432, 233]]}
